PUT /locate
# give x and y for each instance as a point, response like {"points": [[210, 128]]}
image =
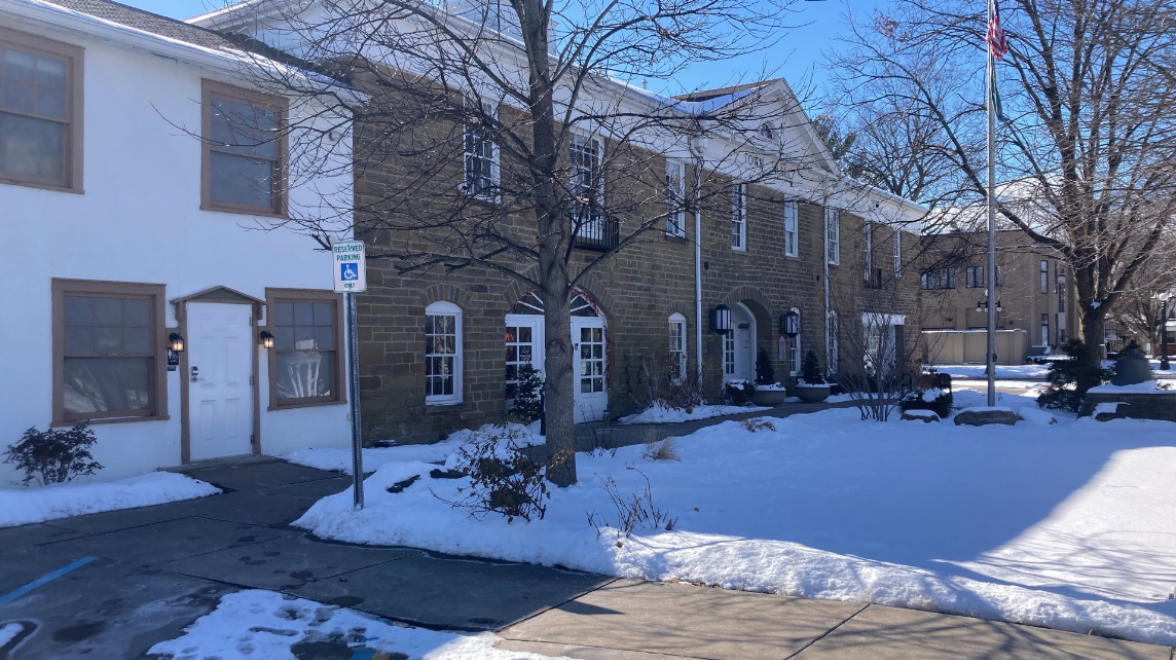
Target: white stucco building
{"points": [[137, 167]]}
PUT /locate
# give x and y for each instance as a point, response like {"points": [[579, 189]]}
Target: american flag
{"points": [[995, 36]]}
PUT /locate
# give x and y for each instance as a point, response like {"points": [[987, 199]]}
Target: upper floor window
{"points": [[587, 185], [244, 151], [896, 246], [442, 353], [974, 277], [1044, 276], [739, 217], [480, 151], [833, 236], [40, 112], [937, 278], [868, 246], [1062, 293], [791, 232], [675, 199]]}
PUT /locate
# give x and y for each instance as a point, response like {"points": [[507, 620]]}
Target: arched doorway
{"points": [[739, 345], [525, 342]]}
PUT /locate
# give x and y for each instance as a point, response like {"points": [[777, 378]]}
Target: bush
{"points": [[738, 392], [503, 479], [811, 372], [1066, 377], [765, 374], [54, 457], [634, 510], [934, 399], [528, 400]]}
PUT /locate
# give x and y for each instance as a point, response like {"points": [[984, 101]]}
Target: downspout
{"points": [[696, 149], [825, 277]]}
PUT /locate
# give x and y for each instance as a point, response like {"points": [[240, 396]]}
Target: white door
{"points": [[220, 374], [739, 346], [524, 345], [588, 362]]}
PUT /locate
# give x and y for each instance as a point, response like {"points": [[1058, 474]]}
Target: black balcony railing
{"points": [[601, 233]]}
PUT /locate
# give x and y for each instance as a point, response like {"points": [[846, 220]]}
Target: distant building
{"points": [[1033, 292]]}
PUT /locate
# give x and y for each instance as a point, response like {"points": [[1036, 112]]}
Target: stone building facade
{"points": [[641, 300], [1033, 289]]}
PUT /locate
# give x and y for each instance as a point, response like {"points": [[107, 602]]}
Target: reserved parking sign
{"points": [[349, 264]]}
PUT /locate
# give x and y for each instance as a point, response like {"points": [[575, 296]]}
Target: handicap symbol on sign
{"points": [[349, 271]]}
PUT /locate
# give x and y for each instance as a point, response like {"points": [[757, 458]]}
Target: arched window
{"points": [[442, 353], [794, 356], [677, 347], [832, 349], [533, 304]]}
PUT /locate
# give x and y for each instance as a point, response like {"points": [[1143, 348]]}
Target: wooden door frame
{"points": [[208, 296]]}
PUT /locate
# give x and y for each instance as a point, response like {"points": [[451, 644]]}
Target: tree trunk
{"points": [[554, 232], [1092, 333]]}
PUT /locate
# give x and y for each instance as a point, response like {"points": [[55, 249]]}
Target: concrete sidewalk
{"points": [[157, 569]]}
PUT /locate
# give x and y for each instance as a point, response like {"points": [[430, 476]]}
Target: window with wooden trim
{"points": [[244, 164], [675, 199], [791, 232], [739, 217], [442, 353], [40, 112], [306, 364], [480, 152], [108, 351]]}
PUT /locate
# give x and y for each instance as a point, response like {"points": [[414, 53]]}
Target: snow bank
{"points": [[1146, 387], [253, 624], [1012, 371], [32, 505], [339, 460], [1067, 525], [661, 414]]}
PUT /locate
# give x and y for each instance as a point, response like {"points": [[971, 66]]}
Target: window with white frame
{"points": [[675, 198], [794, 356], [1061, 293], [868, 246], [587, 183], [739, 216], [896, 246], [481, 153], [832, 349], [791, 233], [442, 353], [677, 347], [833, 236]]}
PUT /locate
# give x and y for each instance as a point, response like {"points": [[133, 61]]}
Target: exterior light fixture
{"points": [[721, 319], [267, 340], [175, 341], [790, 325]]}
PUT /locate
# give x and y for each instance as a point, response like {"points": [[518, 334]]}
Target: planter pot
{"points": [[812, 393], [769, 397]]}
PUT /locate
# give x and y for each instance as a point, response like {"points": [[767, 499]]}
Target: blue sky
{"points": [[797, 57]]}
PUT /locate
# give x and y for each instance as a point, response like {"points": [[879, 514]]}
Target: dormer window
{"points": [[767, 132]]}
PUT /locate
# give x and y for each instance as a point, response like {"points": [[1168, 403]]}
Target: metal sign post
{"points": [[349, 269]]}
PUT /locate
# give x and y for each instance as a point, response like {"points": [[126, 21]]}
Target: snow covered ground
{"points": [[339, 460], [31, 505], [1006, 371], [1069, 525], [662, 415], [253, 624]]}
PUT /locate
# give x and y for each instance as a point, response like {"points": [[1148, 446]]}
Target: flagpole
{"points": [[991, 292]]}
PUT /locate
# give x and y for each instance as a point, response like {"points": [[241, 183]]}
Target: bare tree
{"points": [[491, 128], [1086, 89]]}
